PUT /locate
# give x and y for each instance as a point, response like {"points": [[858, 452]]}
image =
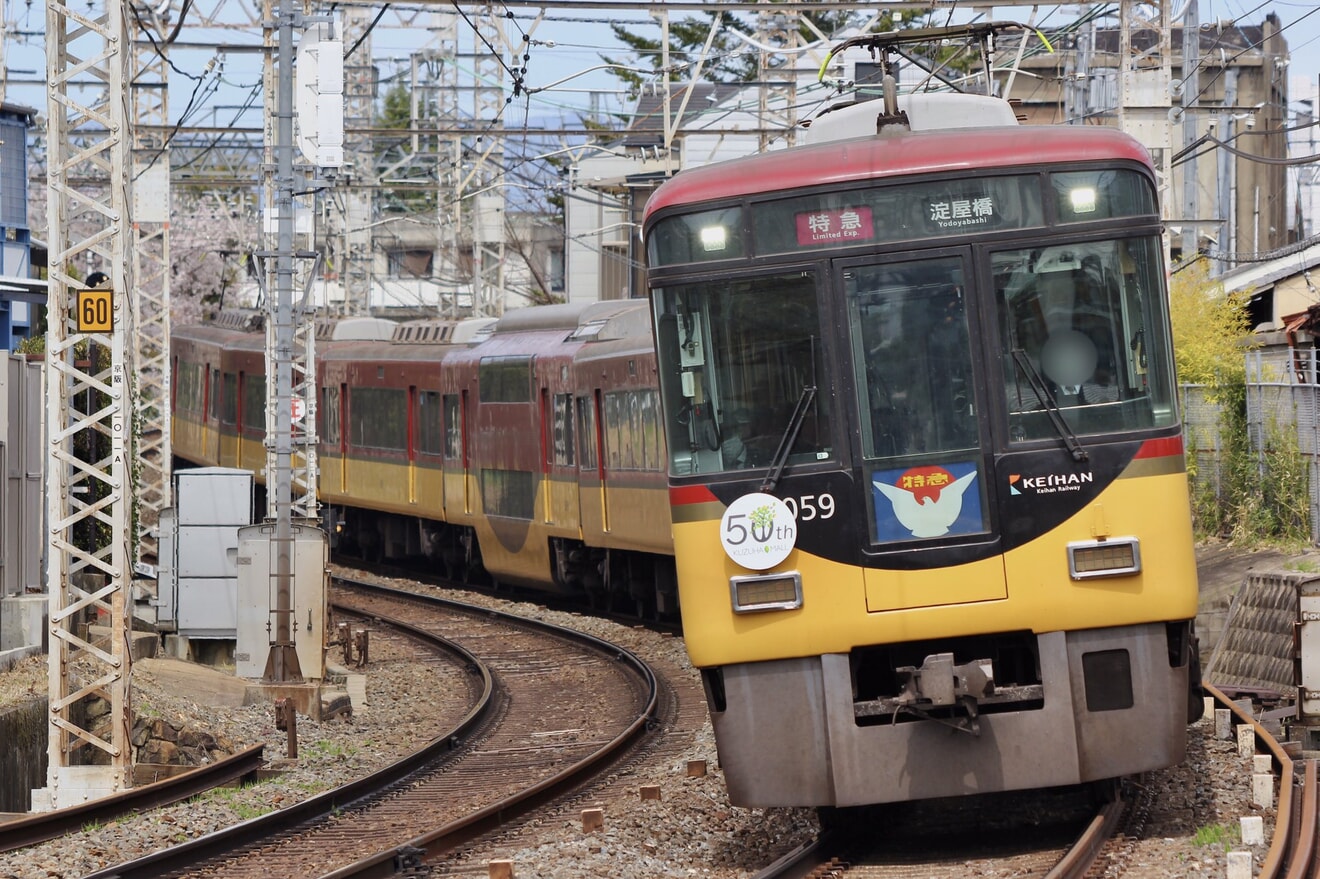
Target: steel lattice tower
{"points": [[89, 408]]}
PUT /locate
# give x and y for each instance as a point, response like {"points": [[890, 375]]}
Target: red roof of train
{"points": [[927, 152]]}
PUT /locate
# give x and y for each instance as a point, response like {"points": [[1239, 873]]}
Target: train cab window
{"points": [[1083, 196], [742, 372], [1083, 337], [920, 435], [701, 237]]}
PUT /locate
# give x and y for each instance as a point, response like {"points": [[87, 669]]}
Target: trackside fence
{"points": [[1283, 400]]}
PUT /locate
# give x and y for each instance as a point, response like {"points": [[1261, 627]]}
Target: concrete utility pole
{"points": [[89, 404], [1144, 78], [1189, 95]]}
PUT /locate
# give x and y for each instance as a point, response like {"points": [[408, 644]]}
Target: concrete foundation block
{"points": [[1239, 865], [1246, 739], [1253, 830], [1262, 791]]}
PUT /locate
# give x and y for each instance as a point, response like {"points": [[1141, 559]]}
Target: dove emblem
{"points": [[927, 501]]}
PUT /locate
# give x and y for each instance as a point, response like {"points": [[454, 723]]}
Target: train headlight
{"points": [[714, 238], [757, 592], [1083, 199], [1104, 558]]}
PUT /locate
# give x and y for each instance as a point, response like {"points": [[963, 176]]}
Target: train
{"points": [[894, 432], [524, 451], [930, 507]]}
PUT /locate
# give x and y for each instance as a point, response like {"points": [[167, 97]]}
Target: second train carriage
{"points": [[930, 507], [528, 450]]}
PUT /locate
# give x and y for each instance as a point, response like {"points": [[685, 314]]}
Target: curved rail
{"points": [[387, 863], [213, 844], [1294, 834], [43, 826], [456, 833]]}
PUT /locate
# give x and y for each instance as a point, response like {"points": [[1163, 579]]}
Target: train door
{"points": [[412, 444], [229, 420], [211, 436], [547, 473], [915, 350], [465, 451], [595, 505]]}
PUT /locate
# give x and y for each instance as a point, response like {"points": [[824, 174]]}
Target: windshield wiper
{"points": [[790, 436], [1051, 408]]}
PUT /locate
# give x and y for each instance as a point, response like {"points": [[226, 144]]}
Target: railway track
{"points": [[843, 853], [555, 706]]}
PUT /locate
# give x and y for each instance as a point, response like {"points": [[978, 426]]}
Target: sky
{"points": [[562, 52]]}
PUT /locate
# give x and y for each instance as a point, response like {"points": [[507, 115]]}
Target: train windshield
{"points": [[736, 358], [913, 358], [1082, 333]]}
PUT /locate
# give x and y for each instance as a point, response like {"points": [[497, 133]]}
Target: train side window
{"points": [[561, 431], [254, 402], [427, 423], [586, 420], [453, 428], [328, 416], [216, 395], [229, 401], [378, 418]]}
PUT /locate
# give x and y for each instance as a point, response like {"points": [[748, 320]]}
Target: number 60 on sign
{"points": [[95, 311]]}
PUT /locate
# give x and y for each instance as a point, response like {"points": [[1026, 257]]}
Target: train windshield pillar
{"points": [[735, 357]]}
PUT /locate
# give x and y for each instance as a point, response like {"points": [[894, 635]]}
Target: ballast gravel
{"points": [[691, 831]]}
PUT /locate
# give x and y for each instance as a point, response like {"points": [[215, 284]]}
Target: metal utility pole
{"points": [[151, 261], [777, 95], [353, 235], [282, 663], [89, 404], [487, 175]]}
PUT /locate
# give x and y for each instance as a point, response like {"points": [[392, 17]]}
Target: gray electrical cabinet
{"points": [[198, 576], [258, 585]]}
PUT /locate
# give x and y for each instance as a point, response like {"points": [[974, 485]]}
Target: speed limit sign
{"points": [[95, 311]]}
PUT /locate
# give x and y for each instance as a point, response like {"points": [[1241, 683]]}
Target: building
{"points": [[20, 291]]}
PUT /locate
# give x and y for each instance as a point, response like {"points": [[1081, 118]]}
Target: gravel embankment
{"points": [[692, 831]]}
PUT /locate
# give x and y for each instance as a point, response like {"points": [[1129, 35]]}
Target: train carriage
{"points": [[928, 492], [503, 386], [210, 369], [626, 546]]}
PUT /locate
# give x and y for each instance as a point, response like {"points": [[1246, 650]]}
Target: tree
{"points": [[1210, 329], [395, 152], [1241, 489]]}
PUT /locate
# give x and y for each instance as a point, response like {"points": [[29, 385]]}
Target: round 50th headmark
{"points": [[758, 531]]}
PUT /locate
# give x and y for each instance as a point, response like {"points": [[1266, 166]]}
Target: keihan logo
{"points": [[926, 500]]}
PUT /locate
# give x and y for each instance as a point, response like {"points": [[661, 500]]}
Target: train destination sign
{"points": [[835, 226]]}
